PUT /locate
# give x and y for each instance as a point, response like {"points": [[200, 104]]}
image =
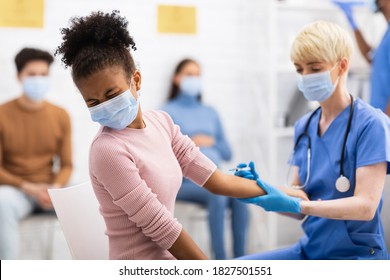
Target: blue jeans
{"points": [[14, 206], [216, 205]]}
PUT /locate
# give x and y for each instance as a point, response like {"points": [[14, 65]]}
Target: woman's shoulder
{"points": [[368, 115], [105, 141], [168, 106], [210, 109], [159, 117], [366, 110]]}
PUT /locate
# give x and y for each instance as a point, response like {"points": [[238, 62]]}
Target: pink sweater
{"points": [[136, 174]]}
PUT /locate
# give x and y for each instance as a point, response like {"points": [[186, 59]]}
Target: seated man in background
{"points": [[35, 148]]}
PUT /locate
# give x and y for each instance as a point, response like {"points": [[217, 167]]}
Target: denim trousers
{"points": [[14, 206]]}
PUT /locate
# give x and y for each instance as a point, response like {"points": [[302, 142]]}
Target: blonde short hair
{"points": [[321, 41]]}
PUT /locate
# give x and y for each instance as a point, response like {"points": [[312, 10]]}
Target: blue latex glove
{"points": [[346, 7], [275, 200], [248, 174]]}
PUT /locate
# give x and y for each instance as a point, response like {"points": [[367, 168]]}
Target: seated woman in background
{"points": [[202, 124]]}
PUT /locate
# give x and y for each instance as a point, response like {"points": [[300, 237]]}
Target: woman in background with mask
{"points": [[202, 124], [350, 153], [137, 159]]}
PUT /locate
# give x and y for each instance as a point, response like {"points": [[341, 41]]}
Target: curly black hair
{"points": [[95, 42]]}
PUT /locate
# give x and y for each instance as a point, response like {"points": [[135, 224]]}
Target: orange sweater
{"points": [[31, 141]]}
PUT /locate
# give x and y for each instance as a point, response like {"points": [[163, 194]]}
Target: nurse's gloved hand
{"points": [[245, 173], [274, 200], [346, 7]]}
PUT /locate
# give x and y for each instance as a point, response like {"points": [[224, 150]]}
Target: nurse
{"points": [[344, 175]]}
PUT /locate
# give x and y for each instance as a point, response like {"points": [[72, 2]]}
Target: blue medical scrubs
{"points": [[368, 143], [380, 74]]}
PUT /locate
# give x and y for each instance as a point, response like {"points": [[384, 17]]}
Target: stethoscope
{"points": [[342, 183]]}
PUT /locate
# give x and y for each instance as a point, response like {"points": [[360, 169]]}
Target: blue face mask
{"points": [[316, 87], [116, 113], [36, 87], [190, 85]]}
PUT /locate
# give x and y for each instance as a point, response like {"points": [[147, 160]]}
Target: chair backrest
{"points": [[77, 210]]}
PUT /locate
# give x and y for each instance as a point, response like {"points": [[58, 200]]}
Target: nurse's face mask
{"points": [[118, 112], [318, 86]]}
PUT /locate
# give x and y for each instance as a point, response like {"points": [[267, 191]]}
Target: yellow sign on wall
{"points": [[176, 19], [21, 13]]}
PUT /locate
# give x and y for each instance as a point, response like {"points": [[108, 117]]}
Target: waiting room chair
{"points": [[37, 234], [77, 210]]}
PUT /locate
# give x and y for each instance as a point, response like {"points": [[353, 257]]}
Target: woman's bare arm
{"points": [[361, 206], [234, 186], [364, 47], [185, 248], [293, 192]]}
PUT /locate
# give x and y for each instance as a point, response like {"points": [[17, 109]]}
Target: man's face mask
{"points": [[36, 87]]}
